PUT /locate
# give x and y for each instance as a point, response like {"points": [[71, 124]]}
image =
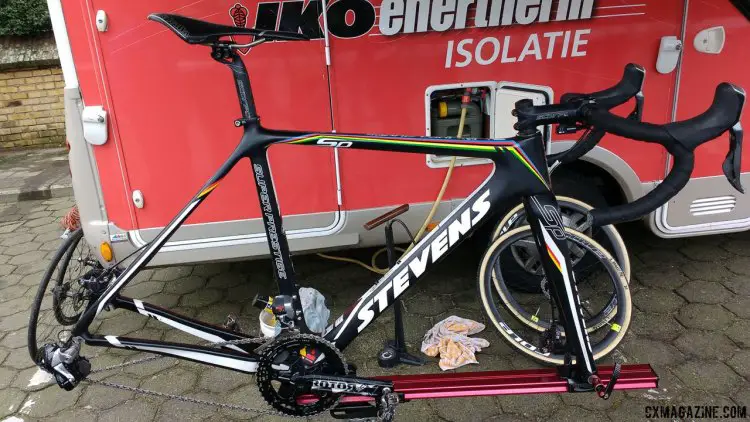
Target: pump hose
{"points": [[422, 230]]}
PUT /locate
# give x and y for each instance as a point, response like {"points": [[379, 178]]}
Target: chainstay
{"points": [[188, 399], [249, 340]]}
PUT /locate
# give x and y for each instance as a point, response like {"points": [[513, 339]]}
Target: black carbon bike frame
{"points": [[520, 171]]}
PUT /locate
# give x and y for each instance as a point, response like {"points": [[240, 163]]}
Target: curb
{"points": [[29, 194]]}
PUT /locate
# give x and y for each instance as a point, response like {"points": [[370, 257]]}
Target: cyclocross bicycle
{"points": [[301, 373]]}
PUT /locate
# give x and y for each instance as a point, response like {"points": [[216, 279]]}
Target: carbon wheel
{"points": [[524, 319]]}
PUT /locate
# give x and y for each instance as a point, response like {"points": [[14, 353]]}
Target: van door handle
{"points": [[710, 40], [670, 49]]}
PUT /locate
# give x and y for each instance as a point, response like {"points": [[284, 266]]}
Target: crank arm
{"points": [[343, 385]]}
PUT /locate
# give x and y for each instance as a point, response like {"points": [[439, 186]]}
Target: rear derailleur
{"points": [[65, 363]]}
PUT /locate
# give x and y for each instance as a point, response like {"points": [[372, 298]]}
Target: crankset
{"points": [[303, 375]]}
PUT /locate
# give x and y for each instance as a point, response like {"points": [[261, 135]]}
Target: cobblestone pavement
{"points": [[691, 322]]}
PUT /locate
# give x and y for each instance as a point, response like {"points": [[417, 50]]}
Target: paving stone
{"points": [[704, 317], [201, 298], [590, 401], [10, 401], [660, 277], [184, 285], [49, 241], [6, 269], [175, 410], [32, 379], [651, 351], [12, 292], [694, 397], [225, 281], [33, 267], [737, 247], [701, 271], [6, 376], [122, 325], [132, 411], [740, 265], [536, 405], [704, 292], [706, 344], [165, 300], [632, 409], [19, 359], [739, 332], [738, 284], [242, 396], [148, 369], [417, 410], [14, 339], [242, 293], [699, 252], [31, 280], [16, 239], [21, 248], [711, 376], [4, 354], [172, 273], [217, 314], [657, 257], [576, 414], [77, 415], [27, 257], [14, 322], [742, 398], [176, 380], [101, 397], [143, 289], [218, 380], [459, 410], [13, 306], [739, 305], [657, 301], [42, 404], [740, 362], [422, 304], [11, 280]]}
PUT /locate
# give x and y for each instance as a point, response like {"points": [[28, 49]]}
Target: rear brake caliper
{"points": [[65, 363]]}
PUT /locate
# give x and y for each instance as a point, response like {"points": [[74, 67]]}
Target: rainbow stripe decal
{"points": [[554, 258], [468, 145], [208, 190]]}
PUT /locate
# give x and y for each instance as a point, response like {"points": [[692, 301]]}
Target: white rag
{"points": [[450, 338]]}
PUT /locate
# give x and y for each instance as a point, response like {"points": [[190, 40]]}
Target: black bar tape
{"points": [[677, 178]]}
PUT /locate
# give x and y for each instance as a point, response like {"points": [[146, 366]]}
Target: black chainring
{"points": [[300, 354]]}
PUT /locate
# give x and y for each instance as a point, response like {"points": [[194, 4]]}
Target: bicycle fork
{"points": [[549, 235]]}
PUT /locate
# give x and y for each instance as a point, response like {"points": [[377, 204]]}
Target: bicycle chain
{"points": [[188, 399]]}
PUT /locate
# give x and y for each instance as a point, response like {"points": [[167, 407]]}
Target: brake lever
{"points": [[732, 165], [637, 113]]}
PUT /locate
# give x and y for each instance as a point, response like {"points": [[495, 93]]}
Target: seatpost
{"points": [[224, 54]]}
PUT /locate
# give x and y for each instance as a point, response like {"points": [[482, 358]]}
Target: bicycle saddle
{"points": [[194, 31]]}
